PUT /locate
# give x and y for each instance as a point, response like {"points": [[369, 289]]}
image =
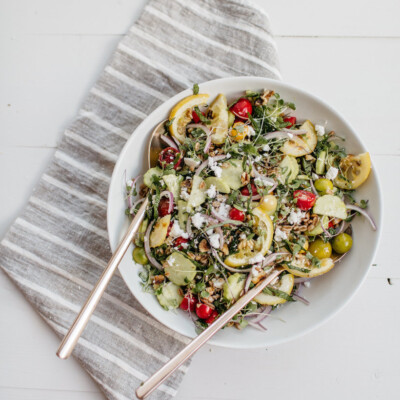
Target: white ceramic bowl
{"points": [[327, 294]]}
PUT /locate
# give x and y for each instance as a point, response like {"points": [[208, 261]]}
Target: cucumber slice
{"points": [[170, 296], [182, 213], [179, 269], [197, 195], [173, 183], [149, 176], [160, 229], [320, 163], [286, 283], [318, 229], [289, 169], [219, 184], [234, 286], [330, 206], [232, 173]]}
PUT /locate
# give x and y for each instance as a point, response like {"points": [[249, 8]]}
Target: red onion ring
{"points": [[200, 126], [248, 281], [221, 236], [301, 299], [313, 187], [283, 134], [146, 241], [301, 280], [135, 204], [207, 145], [264, 314], [171, 200], [130, 193], [362, 212], [271, 258], [258, 326], [169, 141]]}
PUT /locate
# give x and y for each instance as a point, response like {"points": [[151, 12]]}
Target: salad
{"points": [[241, 189]]}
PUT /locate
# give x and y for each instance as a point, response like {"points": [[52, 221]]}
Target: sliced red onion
{"points": [[301, 299], [313, 187], [301, 280], [170, 198], [200, 126], [362, 212], [205, 163], [191, 163], [264, 314], [130, 193], [327, 234], [134, 205], [294, 131], [271, 258], [207, 145], [340, 258], [215, 254], [146, 241], [258, 326], [169, 141]]}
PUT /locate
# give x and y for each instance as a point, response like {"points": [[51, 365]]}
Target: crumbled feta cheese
{"points": [[331, 173], [314, 176], [223, 210], [218, 283], [290, 135], [184, 194], [176, 231], [242, 236], [261, 181], [258, 158], [256, 259], [198, 220], [214, 240], [250, 131], [295, 217], [228, 155], [211, 192], [255, 271], [320, 130], [279, 235], [307, 284], [214, 167], [210, 232], [266, 147]]}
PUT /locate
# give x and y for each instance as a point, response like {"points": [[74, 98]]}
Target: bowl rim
{"points": [[265, 81]]}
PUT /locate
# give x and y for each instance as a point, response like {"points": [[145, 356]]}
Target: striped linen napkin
{"points": [[56, 250]]}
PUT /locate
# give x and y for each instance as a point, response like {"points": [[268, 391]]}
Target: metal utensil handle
{"points": [[71, 338], [164, 372]]}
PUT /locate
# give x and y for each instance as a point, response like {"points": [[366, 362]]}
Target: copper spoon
{"points": [[71, 338], [164, 372]]}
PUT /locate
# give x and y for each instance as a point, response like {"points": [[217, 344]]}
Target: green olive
{"points": [[231, 118], [139, 256], [320, 249], [323, 186], [342, 243]]}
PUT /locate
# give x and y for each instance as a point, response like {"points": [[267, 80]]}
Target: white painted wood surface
{"points": [[347, 52]]}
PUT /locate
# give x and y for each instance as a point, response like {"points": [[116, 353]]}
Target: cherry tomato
{"points": [[179, 241], [203, 311], [242, 108], [291, 120], [188, 303], [305, 200], [195, 117], [212, 317], [330, 224], [168, 155], [163, 207], [245, 190], [236, 214]]}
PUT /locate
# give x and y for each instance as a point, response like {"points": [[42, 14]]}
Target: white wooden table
{"points": [[345, 51]]}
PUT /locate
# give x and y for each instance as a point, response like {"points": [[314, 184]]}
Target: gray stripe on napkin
{"points": [[55, 251]]}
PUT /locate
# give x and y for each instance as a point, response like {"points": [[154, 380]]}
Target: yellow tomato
{"points": [[268, 204], [239, 131]]}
